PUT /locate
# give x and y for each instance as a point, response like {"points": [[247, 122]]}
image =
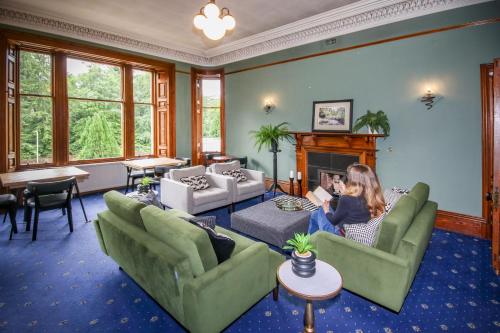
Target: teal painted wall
{"points": [[183, 114], [441, 147]]}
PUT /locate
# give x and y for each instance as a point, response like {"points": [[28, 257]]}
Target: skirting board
{"points": [[450, 221]]}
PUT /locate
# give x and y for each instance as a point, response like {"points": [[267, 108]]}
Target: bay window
{"points": [[69, 103]]}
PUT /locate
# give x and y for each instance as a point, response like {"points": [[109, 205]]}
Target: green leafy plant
{"points": [[301, 243], [146, 181], [376, 122], [269, 134]]}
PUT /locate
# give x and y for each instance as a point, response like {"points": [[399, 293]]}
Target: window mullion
{"points": [[128, 112], [60, 118]]}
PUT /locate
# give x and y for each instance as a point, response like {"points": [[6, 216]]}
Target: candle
{"points": [[291, 173], [299, 175]]}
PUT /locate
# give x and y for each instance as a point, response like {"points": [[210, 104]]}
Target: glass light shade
{"points": [[199, 21], [229, 22], [214, 28], [211, 10]]}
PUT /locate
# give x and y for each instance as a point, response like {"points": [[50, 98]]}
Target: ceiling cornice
{"points": [[358, 16]]}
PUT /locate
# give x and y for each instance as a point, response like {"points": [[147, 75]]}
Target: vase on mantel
{"points": [[370, 131]]}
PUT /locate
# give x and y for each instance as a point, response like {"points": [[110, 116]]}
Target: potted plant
{"points": [[145, 185], [376, 123], [270, 136], [303, 255]]}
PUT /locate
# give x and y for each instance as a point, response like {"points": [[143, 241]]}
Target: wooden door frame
{"points": [[196, 128], [487, 141], [495, 236]]}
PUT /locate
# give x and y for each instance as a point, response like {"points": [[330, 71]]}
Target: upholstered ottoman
{"points": [[268, 223]]}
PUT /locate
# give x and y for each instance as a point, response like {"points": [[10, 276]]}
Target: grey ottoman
{"points": [[270, 224]]}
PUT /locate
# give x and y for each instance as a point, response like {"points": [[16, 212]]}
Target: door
{"points": [[496, 168], [207, 114]]}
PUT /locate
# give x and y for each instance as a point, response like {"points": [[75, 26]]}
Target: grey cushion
{"points": [[219, 168], [211, 194], [248, 187], [177, 174]]}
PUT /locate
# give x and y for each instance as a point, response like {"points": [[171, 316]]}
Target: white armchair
{"points": [[176, 194], [253, 187]]}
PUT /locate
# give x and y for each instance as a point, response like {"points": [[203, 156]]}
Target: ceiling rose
{"points": [[214, 21]]}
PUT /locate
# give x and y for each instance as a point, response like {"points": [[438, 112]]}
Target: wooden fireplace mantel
{"points": [[362, 145]]}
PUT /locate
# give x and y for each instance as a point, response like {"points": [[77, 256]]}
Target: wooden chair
{"points": [[133, 175], [243, 161], [49, 196], [9, 202]]}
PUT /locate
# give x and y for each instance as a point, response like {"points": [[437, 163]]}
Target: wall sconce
{"points": [[268, 105], [429, 99]]}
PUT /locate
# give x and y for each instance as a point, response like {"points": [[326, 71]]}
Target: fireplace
{"points": [[322, 157], [325, 169]]}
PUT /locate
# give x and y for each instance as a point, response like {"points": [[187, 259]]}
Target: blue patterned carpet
{"points": [[63, 283]]}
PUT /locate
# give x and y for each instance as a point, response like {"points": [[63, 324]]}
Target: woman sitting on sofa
{"points": [[361, 200]]}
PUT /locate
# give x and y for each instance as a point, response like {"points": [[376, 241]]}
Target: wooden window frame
{"points": [[196, 124], [18, 108], [152, 104], [60, 51]]}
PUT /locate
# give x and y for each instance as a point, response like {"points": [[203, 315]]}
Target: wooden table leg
{"points": [[309, 318], [81, 202]]}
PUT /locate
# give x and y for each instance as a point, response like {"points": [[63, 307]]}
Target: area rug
{"points": [[64, 283]]}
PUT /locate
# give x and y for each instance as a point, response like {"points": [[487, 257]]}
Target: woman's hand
{"points": [[326, 206]]}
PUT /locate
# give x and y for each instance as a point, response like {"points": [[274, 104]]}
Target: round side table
{"points": [[325, 284]]}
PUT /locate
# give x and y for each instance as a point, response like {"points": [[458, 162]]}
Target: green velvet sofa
{"points": [[174, 262], [384, 273]]}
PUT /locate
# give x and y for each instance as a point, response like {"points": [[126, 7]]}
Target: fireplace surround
{"points": [[321, 156]]}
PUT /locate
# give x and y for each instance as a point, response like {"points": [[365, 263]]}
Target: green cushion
{"points": [[395, 224], [187, 238], [419, 192], [126, 208]]}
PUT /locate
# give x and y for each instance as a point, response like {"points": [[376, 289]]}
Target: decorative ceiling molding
{"points": [[58, 27], [358, 16]]}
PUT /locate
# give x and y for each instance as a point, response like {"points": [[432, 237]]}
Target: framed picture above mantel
{"points": [[332, 116]]}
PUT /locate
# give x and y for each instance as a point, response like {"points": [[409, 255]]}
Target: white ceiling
{"points": [[170, 22], [164, 27]]}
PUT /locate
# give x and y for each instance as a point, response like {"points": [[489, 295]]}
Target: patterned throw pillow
{"points": [[391, 197], [204, 221], [364, 233], [236, 173], [197, 183]]}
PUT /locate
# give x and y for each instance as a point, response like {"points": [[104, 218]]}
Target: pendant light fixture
{"points": [[214, 21]]}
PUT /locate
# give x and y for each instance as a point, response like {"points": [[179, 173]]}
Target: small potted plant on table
{"points": [[145, 185], [303, 255]]}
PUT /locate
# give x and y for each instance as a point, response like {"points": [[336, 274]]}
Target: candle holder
{"points": [[299, 181], [291, 187]]}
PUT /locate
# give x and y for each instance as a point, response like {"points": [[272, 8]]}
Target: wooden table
{"points": [[150, 163], [326, 283], [222, 158], [20, 179]]}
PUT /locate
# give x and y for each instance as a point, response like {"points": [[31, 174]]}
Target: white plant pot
{"points": [[371, 132]]}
